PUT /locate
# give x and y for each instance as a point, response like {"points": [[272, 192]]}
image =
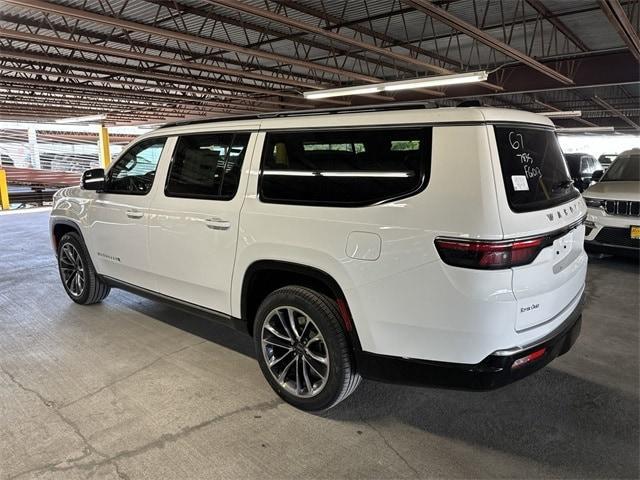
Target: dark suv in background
{"points": [[582, 166]]}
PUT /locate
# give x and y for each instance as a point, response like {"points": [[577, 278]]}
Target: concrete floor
{"points": [[133, 389]]}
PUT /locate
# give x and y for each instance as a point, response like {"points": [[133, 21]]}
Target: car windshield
{"points": [[624, 169]]}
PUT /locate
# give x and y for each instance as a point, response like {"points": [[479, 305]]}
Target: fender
{"points": [[313, 273], [63, 221]]}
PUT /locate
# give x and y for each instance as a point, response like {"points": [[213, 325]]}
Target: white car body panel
{"points": [[404, 300]]}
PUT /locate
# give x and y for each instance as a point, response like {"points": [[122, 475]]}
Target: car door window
{"points": [[134, 172], [207, 166]]}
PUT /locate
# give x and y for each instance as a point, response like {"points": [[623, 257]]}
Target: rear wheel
{"points": [[79, 277], [302, 349]]}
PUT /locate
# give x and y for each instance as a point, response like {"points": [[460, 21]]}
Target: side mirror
{"points": [[597, 175], [93, 179]]}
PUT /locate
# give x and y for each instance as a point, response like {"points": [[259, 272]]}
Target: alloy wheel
{"points": [[72, 268], [295, 351]]}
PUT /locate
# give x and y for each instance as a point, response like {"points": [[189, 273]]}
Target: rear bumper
{"points": [[492, 372]]}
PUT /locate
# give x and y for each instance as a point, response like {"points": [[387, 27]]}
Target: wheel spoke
{"points": [[305, 374], [277, 333], [70, 279], [285, 370], [292, 322], [275, 360], [304, 329], [277, 342], [283, 322], [298, 374], [315, 370], [317, 358], [316, 338]]}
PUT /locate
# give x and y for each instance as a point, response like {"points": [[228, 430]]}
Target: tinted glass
{"points": [[573, 162], [534, 171], [344, 167], [134, 172], [624, 169], [207, 166]]}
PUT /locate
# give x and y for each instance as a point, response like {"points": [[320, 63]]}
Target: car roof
{"points": [[398, 114]]}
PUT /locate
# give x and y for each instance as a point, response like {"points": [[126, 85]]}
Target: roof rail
{"points": [[312, 111]]}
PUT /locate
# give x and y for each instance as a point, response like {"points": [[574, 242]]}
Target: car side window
{"points": [[344, 168], [134, 172], [207, 166]]}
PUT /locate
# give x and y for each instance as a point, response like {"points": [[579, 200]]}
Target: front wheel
{"points": [[302, 349], [79, 277]]}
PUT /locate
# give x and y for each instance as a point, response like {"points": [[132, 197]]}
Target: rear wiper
{"points": [[563, 184]]}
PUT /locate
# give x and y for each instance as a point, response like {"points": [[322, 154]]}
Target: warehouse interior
{"points": [[134, 388]]}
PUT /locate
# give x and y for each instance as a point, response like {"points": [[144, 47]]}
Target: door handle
{"points": [[215, 223], [135, 214]]}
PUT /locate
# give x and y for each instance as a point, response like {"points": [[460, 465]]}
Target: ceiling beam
{"points": [[353, 25], [307, 27], [618, 18], [615, 112], [145, 57], [187, 38], [45, 22], [56, 104], [274, 35], [122, 93], [484, 38], [258, 104], [562, 27], [155, 75]]}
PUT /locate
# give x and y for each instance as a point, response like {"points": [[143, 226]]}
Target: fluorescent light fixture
{"points": [[439, 81], [426, 82], [561, 114], [87, 119], [584, 129], [341, 92]]}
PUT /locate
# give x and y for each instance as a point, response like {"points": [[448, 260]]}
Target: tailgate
{"points": [[546, 287]]}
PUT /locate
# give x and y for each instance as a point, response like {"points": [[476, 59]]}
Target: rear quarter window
{"points": [[344, 168], [534, 170]]}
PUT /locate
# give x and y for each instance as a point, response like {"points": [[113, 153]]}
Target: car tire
{"points": [[78, 275], [300, 329]]}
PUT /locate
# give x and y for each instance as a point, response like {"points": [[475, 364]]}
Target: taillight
{"points": [[487, 254]]}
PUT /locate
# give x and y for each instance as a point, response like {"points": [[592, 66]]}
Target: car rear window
{"points": [[344, 168], [533, 168]]}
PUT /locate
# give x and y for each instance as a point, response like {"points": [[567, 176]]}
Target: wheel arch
{"points": [[60, 227], [265, 276]]}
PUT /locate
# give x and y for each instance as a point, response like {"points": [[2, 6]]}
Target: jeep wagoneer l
{"points": [[425, 246]]}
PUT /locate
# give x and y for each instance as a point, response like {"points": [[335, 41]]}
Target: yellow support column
{"points": [[103, 146], [4, 191]]}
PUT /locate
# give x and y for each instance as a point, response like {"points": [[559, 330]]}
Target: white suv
{"points": [[423, 246], [613, 221]]}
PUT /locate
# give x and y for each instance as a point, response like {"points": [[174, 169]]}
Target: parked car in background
{"points": [[613, 221], [606, 160], [424, 246], [582, 166], [74, 162]]}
